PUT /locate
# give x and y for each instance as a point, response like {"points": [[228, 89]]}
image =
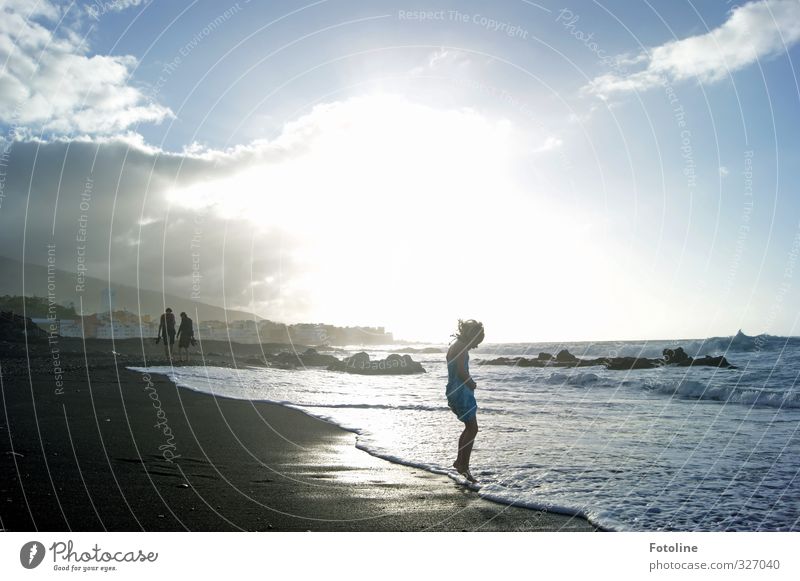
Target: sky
{"points": [[560, 171]]}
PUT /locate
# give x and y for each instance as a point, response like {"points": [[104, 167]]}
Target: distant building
{"points": [[243, 331], [212, 330], [71, 328], [307, 334], [122, 324], [321, 334], [271, 332]]}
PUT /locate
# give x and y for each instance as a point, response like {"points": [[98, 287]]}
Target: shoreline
{"points": [[561, 511], [97, 457]]}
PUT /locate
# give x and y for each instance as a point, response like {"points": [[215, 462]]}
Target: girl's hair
{"points": [[468, 330]]}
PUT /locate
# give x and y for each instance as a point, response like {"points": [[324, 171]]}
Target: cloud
{"points": [[50, 82], [97, 8], [753, 31], [328, 219], [103, 199]]}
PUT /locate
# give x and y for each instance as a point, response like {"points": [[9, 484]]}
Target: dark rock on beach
{"points": [[308, 358], [394, 364]]}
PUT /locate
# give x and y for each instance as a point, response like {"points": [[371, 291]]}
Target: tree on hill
{"points": [[35, 307]]}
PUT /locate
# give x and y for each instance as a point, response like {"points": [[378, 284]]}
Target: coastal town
{"points": [[123, 324]]}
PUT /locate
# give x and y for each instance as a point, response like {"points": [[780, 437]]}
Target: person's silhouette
{"points": [[166, 332], [185, 336], [460, 390]]}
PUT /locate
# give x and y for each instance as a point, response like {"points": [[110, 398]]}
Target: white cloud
{"points": [[752, 31], [97, 8], [49, 81], [724, 171]]}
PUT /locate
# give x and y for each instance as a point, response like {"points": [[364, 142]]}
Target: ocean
{"points": [[666, 449]]}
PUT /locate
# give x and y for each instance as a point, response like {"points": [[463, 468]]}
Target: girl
{"points": [[460, 390]]}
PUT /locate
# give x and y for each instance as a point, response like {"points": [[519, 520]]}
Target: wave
{"points": [[739, 343], [691, 389], [577, 379], [499, 496]]}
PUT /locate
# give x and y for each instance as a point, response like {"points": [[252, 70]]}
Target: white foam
{"points": [[727, 394], [579, 379]]}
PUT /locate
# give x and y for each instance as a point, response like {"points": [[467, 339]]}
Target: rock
{"points": [[394, 364], [14, 328], [718, 361], [628, 363], [308, 358], [565, 356], [360, 359], [677, 355]]}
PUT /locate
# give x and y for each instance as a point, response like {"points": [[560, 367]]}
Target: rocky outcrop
{"points": [[676, 357], [14, 328], [308, 358], [394, 364], [628, 363], [563, 356]]}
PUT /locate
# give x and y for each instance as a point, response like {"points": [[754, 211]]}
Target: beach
{"points": [[103, 447]]}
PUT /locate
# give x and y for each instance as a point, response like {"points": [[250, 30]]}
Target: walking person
{"points": [[185, 337], [166, 332], [460, 390]]}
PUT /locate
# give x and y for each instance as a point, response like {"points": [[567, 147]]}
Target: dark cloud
{"points": [[112, 193]]}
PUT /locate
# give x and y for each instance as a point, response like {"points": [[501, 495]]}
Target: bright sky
{"points": [[612, 170]]}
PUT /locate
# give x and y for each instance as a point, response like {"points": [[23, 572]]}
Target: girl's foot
{"points": [[464, 471]]}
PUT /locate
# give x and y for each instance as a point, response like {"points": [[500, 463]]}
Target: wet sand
{"points": [[113, 449]]}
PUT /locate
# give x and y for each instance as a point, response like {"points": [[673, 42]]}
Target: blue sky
{"points": [[577, 170]]}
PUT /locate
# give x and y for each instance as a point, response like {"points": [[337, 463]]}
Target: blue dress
{"points": [[460, 398]]}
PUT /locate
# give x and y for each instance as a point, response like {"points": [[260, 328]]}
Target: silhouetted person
{"points": [[460, 390], [166, 332], [185, 336]]}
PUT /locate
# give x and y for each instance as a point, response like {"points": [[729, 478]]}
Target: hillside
{"points": [[94, 299]]}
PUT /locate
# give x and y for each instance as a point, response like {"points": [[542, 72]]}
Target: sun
{"points": [[403, 214]]}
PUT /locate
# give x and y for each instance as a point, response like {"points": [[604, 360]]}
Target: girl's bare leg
{"points": [[465, 443]]}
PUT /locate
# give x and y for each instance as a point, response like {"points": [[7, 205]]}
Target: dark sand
{"points": [[90, 459]]}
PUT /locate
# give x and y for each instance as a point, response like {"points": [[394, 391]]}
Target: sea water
{"points": [[655, 449]]}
